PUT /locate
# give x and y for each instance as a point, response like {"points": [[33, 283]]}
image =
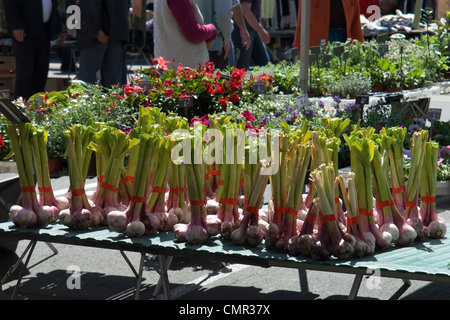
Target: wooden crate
{"points": [[7, 84], [7, 66], [56, 84]]}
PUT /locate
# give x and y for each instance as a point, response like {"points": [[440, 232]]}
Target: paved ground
{"points": [[105, 275]]}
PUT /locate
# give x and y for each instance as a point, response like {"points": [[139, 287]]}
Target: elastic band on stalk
{"points": [[351, 221], [197, 202], [177, 190], [399, 190], [138, 199], [329, 218], [221, 182], [28, 189], [385, 203], [230, 201], [108, 186], [126, 179], [428, 199], [337, 200], [158, 189], [78, 192], [214, 172], [281, 210], [411, 204], [100, 178], [291, 211], [241, 180], [254, 210], [365, 212], [45, 190], [206, 177], [310, 218]]}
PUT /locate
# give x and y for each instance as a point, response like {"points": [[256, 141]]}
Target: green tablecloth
{"points": [[425, 260]]}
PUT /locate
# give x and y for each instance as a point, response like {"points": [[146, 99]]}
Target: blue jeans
{"points": [[255, 55], [108, 58], [337, 35]]}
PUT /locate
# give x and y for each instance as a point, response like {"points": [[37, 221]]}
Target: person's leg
{"points": [[243, 56], [24, 53], [41, 65], [218, 59], [112, 66], [260, 57], [90, 63]]}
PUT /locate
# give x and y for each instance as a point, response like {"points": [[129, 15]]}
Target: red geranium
{"points": [[248, 115]]}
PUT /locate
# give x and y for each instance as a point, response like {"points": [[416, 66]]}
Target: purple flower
{"points": [[321, 104], [407, 154], [337, 99]]}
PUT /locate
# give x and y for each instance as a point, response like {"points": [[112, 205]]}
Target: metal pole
{"points": [[304, 45], [417, 14]]}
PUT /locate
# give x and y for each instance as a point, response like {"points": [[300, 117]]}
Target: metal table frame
{"points": [[217, 249]]}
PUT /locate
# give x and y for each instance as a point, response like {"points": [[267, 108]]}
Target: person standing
{"points": [[257, 53], [101, 41], [180, 34], [331, 20], [238, 19], [33, 24], [218, 12]]}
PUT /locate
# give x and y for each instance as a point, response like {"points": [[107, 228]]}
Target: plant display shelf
{"points": [[426, 260]]}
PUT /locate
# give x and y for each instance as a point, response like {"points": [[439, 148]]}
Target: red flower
{"points": [[223, 102], [204, 120], [161, 64], [235, 98], [248, 116], [127, 89], [266, 78], [168, 93], [220, 89]]}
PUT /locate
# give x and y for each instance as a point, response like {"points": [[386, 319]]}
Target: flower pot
{"points": [[443, 188], [394, 89], [378, 89], [55, 165]]}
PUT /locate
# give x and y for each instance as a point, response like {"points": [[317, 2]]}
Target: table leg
{"points": [[139, 280], [164, 276], [355, 287], [401, 290], [304, 288], [160, 282], [16, 265], [19, 280]]}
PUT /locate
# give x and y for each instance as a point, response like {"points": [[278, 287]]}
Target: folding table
{"points": [[426, 260]]}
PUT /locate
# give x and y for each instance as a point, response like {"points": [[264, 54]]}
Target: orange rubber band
{"points": [[351, 221], [399, 190], [138, 199], [329, 218], [28, 189], [45, 190], [158, 189], [197, 202], [386, 203], [254, 210], [428, 199], [108, 186], [365, 212], [411, 204], [230, 201], [78, 192], [214, 172]]}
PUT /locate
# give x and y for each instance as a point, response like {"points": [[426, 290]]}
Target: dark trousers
{"points": [[32, 64]]}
